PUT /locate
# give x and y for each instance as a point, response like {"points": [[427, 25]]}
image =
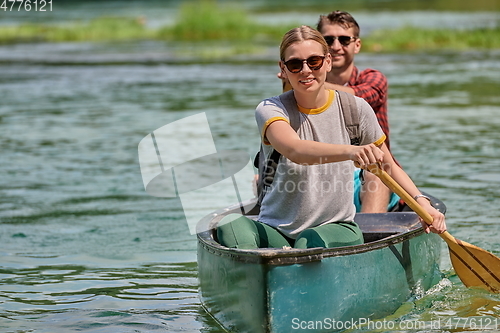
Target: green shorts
{"points": [[238, 231]]}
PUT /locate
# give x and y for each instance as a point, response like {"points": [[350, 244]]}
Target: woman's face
{"points": [[306, 78]]}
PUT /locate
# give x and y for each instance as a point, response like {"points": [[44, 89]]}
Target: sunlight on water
{"points": [[84, 248]]}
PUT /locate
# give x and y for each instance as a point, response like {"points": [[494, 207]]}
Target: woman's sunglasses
{"points": [[296, 65], [344, 40]]}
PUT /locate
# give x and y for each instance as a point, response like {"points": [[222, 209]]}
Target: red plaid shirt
{"points": [[371, 85]]}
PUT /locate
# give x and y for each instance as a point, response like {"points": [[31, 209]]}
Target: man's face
{"points": [[342, 55]]}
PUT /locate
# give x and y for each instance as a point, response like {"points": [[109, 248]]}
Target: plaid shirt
{"points": [[371, 85]]}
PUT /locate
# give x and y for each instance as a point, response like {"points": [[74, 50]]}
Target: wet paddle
{"points": [[474, 266]]}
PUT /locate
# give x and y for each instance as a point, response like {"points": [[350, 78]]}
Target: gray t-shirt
{"points": [[305, 196]]}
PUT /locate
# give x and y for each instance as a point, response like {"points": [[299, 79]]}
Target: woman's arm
{"points": [[286, 141]]}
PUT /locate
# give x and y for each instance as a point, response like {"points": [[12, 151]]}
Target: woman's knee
{"points": [[330, 235], [237, 231], [309, 238]]}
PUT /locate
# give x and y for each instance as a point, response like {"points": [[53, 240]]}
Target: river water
{"points": [[84, 248]]}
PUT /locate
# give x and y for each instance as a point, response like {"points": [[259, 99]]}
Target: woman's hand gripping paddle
{"points": [[474, 266]]}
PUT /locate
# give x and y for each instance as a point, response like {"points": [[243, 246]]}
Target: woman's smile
{"points": [[307, 81]]}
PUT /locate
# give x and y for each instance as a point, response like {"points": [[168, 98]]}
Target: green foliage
{"points": [[100, 29], [418, 39], [206, 26], [323, 6], [203, 20]]}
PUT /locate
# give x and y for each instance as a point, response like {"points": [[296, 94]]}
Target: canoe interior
{"points": [[266, 290], [375, 227], [379, 230]]}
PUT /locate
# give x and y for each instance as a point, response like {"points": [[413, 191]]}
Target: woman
{"points": [[310, 202]]}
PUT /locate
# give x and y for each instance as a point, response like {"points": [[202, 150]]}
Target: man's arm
{"points": [[334, 86], [371, 85]]}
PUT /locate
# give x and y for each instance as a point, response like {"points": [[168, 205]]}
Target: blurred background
{"points": [[84, 248]]}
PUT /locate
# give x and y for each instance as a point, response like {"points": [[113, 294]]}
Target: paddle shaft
{"points": [[412, 203]]}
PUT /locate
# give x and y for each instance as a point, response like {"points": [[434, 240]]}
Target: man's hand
{"points": [[286, 84]]}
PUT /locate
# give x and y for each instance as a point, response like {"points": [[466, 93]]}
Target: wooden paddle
{"points": [[474, 266]]}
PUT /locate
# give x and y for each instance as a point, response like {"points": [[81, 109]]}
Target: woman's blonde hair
{"points": [[301, 34]]}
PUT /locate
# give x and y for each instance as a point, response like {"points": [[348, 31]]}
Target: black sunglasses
{"points": [[295, 65], [344, 40]]}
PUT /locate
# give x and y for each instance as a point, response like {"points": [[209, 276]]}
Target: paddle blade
{"points": [[474, 266]]}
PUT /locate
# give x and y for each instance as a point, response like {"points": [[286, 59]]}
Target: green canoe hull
{"points": [[320, 290]]}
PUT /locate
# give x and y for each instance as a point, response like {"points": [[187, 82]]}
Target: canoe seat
{"points": [[379, 226]]}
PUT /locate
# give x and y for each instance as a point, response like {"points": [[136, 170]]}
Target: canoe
{"points": [[317, 290]]}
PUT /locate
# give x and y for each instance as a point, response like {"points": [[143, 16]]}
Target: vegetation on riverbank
{"points": [[197, 21], [319, 6], [100, 29], [204, 21], [414, 39]]}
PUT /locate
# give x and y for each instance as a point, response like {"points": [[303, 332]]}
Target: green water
{"points": [[84, 248]]}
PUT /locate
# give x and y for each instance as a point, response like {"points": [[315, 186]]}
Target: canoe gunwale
{"points": [[277, 256]]}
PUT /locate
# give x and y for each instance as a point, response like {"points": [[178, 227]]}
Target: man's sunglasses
{"points": [[344, 40], [295, 65]]}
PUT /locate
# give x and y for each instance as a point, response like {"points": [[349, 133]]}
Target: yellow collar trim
{"points": [[331, 97]]}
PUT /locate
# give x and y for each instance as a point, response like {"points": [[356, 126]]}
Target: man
{"points": [[341, 32]]}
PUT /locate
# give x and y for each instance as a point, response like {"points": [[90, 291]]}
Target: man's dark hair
{"points": [[344, 19]]}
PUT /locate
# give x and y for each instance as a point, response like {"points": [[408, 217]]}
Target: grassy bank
{"points": [[319, 6], [202, 20], [100, 29], [205, 21], [415, 39]]}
